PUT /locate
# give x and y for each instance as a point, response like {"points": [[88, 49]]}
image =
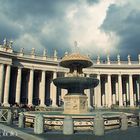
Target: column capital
{"points": [[99, 73], [43, 70], [31, 69], [120, 74], [19, 69]]}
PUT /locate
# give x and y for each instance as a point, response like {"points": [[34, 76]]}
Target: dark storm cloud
{"points": [[30, 16], [124, 21], [8, 30], [18, 9]]}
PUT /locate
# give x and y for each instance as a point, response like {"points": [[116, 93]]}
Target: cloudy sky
{"points": [[100, 27]]}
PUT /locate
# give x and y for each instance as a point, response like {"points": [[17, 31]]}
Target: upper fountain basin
{"points": [[75, 60]]}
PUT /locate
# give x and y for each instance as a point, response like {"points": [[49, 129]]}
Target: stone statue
{"points": [[10, 44], [98, 59], [33, 51], [44, 52], [66, 53], [108, 58], [5, 42], [129, 59], [118, 57], [139, 58], [55, 53], [21, 50]]}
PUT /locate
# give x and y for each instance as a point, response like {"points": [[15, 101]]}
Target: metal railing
{"points": [[3, 115]]}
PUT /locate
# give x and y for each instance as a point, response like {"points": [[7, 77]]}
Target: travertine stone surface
{"points": [[98, 125], [39, 124], [9, 117], [21, 120], [75, 104], [68, 127], [124, 121]]}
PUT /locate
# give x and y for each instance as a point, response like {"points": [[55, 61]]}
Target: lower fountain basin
{"points": [[76, 85]]}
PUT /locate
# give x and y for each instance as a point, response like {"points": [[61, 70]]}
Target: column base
{"points": [[30, 104], [6, 104], [54, 105], [42, 105]]}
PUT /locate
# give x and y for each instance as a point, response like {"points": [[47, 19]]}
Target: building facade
{"points": [[27, 79]]}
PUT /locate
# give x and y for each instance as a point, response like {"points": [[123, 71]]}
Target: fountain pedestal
{"points": [[75, 104]]}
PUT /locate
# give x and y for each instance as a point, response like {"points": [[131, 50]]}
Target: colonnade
{"points": [[121, 90], [113, 89]]}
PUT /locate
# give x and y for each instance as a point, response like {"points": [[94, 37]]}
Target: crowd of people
{"points": [[25, 107]]}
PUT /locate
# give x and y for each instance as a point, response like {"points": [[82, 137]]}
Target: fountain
{"points": [[75, 101]]}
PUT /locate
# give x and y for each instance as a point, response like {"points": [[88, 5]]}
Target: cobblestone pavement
{"points": [[9, 138], [130, 134]]}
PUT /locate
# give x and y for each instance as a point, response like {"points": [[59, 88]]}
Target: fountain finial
{"points": [[76, 46]]}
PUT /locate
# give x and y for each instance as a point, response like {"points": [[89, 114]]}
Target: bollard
{"points": [[98, 125], [38, 124], [21, 120], [9, 117], [68, 127], [124, 121]]}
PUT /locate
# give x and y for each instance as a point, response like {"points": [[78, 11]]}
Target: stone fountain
{"points": [[75, 101], [75, 115]]}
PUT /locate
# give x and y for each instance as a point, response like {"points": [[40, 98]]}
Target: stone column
{"points": [[109, 91], [113, 99], [30, 87], [54, 91], [117, 91], [127, 92], [131, 91], [7, 86], [106, 94], [120, 89], [103, 94], [124, 99], [18, 86], [87, 91], [42, 89], [63, 91], [1, 81], [98, 92], [138, 90], [103, 100]]}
